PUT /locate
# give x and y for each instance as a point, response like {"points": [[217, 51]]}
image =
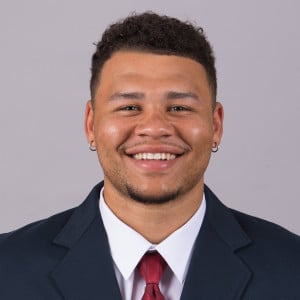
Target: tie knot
{"points": [[151, 267]]}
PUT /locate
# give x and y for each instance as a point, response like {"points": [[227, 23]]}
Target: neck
{"points": [[155, 222]]}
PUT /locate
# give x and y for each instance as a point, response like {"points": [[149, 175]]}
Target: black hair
{"points": [[157, 34]]}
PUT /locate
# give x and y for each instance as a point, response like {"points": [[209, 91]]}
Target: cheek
{"points": [[195, 132], [200, 133], [112, 130], [110, 134]]}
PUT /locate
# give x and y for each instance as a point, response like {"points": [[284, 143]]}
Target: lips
{"points": [[154, 152], [154, 156]]}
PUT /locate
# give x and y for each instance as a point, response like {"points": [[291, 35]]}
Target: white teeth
{"points": [[154, 156]]}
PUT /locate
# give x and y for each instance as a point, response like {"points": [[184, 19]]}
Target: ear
{"points": [[218, 117], [89, 123]]}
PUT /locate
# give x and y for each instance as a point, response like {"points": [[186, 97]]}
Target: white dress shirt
{"points": [[127, 248]]}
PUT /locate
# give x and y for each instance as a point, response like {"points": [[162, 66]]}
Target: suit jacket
{"points": [[67, 257]]}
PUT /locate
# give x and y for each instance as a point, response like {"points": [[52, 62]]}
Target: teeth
{"points": [[154, 156]]}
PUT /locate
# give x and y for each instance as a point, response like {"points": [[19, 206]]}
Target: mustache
{"points": [[128, 145]]}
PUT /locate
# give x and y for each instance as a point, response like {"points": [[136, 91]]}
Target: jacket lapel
{"points": [[216, 271], [86, 272]]}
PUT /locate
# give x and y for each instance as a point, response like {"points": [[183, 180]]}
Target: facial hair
{"points": [[140, 197]]}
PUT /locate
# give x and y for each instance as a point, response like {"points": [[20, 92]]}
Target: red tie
{"points": [[151, 267]]}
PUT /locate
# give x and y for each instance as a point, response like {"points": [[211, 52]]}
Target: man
{"points": [[154, 120]]}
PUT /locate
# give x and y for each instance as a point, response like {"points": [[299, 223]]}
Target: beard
{"points": [[140, 197], [158, 194]]}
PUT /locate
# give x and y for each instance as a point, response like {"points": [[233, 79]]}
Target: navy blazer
{"points": [[67, 257]]}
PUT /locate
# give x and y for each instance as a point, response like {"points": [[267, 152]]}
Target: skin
{"points": [[149, 103]]}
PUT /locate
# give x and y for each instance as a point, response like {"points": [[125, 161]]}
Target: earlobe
{"points": [[89, 122]]}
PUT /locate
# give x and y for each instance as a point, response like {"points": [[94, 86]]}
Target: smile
{"points": [[154, 156]]}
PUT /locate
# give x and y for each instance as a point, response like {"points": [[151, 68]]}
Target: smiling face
{"points": [[154, 125]]}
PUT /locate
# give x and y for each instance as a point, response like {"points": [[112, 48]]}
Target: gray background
{"points": [[45, 166]]}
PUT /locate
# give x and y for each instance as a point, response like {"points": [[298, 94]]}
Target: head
{"points": [[153, 117], [149, 32]]}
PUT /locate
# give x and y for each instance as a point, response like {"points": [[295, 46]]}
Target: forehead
{"points": [[130, 61], [156, 70]]}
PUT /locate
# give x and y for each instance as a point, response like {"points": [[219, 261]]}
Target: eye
{"points": [[129, 108], [178, 108]]}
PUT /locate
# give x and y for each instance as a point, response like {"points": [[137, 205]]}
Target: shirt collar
{"points": [[127, 246]]}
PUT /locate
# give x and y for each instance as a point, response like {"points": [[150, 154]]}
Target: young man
{"points": [[154, 121]]}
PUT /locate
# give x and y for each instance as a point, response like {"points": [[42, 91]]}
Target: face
{"points": [[154, 125]]}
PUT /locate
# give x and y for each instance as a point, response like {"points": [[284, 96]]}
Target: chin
{"points": [[158, 198]]}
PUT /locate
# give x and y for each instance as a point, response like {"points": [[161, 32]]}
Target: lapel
{"points": [[216, 271], [86, 271]]}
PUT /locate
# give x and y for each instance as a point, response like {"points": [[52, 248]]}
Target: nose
{"points": [[154, 124]]}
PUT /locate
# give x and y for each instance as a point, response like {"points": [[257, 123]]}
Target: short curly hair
{"points": [[157, 34]]}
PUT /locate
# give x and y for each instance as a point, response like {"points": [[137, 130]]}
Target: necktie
{"points": [[151, 267]]}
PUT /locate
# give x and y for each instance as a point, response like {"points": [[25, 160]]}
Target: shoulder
{"points": [[27, 256], [266, 232], [268, 249], [273, 254], [38, 236], [273, 250], [32, 238], [259, 231], [44, 231]]}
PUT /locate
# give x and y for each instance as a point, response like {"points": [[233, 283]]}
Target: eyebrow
{"points": [[127, 95], [181, 95], [171, 95]]}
